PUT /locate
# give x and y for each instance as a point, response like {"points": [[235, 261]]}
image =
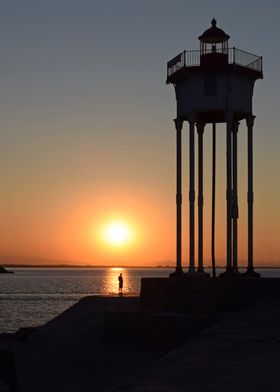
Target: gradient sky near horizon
{"points": [[87, 135]]}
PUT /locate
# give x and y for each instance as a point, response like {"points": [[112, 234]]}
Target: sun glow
{"points": [[117, 233]]}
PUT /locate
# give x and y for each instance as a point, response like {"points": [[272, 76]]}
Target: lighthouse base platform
{"points": [[205, 295]]}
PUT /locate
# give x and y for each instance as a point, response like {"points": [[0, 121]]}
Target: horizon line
{"points": [[16, 265]]}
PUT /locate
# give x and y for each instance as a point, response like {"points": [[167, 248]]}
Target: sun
{"points": [[117, 233]]}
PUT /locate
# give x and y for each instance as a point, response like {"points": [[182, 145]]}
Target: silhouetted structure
{"points": [[214, 85]]}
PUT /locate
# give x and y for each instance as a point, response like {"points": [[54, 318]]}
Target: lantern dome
{"points": [[214, 35]]}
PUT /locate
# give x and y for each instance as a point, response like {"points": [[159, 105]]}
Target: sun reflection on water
{"points": [[110, 282]]}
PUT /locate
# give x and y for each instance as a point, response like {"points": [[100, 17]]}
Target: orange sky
{"points": [[87, 135], [51, 219]]}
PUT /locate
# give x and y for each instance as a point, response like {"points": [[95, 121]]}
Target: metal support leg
{"points": [[213, 201], [191, 196], [178, 270], [229, 118], [250, 198], [200, 130], [234, 201]]}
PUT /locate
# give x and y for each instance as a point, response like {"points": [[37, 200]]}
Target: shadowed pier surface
{"points": [[241, 353], [108, 344]]}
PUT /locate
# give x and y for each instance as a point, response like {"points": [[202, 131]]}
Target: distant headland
{"points": [[40, 262]]}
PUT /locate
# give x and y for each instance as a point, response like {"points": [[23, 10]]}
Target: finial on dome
{"points": [[213, 22]]}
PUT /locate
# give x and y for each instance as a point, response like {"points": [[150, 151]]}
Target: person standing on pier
{"points": [[120, 278]]}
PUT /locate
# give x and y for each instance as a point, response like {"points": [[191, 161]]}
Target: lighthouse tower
{"points": [[214, 85]]}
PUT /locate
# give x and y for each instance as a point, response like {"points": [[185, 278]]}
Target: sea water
{"points": [[33, 296]]}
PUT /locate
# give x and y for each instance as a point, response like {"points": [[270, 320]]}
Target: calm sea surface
{"points": [[32, 296]]}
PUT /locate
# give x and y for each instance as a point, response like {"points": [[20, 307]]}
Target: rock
{"points": [[4, 271]]}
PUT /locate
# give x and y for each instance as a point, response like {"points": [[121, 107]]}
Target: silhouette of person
{"points": [[120, 278]]}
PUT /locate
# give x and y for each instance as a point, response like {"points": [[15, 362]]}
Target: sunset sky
{"points": [[87, 134]]}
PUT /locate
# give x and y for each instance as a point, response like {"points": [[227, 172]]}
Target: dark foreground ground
{"points": [[105, 344]]}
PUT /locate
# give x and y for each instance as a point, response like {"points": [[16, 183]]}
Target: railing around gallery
{"points": [[191, 58]]}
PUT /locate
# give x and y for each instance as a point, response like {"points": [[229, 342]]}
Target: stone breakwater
{"points": [[109, 344]]}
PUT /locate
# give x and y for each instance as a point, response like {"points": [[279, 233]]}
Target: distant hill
{"points": [[40, 262], [23, 260]]}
